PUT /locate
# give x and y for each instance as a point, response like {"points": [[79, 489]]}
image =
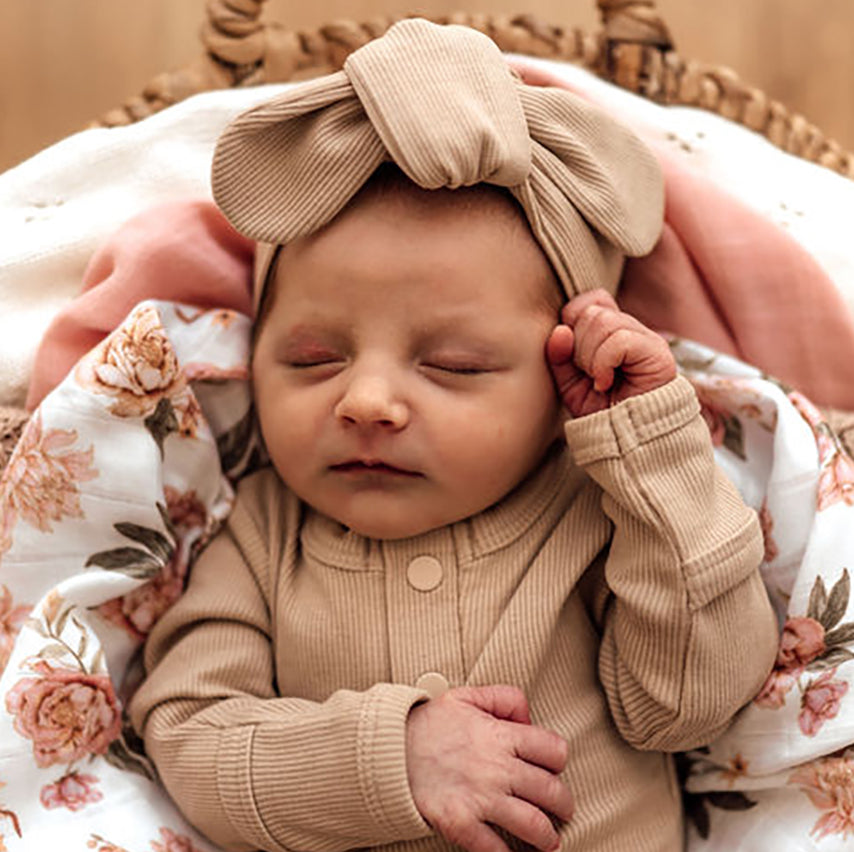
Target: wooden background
{"points": [[64, 62]]}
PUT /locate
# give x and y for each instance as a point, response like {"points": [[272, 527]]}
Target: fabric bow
{"points": [[442, 103]]}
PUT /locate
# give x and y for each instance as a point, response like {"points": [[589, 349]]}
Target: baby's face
{"points": [[399, 371]]}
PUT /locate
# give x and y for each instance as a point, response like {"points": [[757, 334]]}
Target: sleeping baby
{"points": [[491, 578]]}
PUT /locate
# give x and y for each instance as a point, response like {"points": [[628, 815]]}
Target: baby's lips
{"points": [[372, 465]]}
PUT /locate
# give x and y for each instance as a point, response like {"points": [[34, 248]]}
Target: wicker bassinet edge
{"points": [[634, 50]]}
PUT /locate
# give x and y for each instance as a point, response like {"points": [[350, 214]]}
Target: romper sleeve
{"points": [[248, 768], [688, 632]]}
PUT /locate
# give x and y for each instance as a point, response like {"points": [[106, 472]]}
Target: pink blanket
{"points": [[726, 277], [184, 251], [721, 275]]}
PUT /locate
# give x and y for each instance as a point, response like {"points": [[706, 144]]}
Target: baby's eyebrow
{"points": [[460, 335], [309, 336]]}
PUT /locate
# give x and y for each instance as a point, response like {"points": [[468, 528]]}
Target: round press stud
{"points": [[424, 573], [433, 683]]}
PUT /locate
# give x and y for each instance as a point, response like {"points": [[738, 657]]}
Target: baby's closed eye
{"points": [[462, 369]]}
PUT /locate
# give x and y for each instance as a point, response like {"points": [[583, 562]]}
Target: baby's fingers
{"points": [[499, 700], [599, 298], [560, 347], [545, 790], [525, 821], [609, 356], [473, 835], [618, 333], [541, 747]]}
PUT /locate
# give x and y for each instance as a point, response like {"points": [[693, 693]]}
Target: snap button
{"points": [[424, 573], [433, 683]]}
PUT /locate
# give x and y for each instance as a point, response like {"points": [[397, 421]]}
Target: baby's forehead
{"points": [[390, 187], [390, 209]]}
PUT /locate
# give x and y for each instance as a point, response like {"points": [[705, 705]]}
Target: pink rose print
{"points": [[67, 714], [715, 418], [73, 791], [13, 818], [736, 769], [836, 481], [820, 702], [716, 407], [172, 842], [819, 641], [139, 610], [11, 619], [829, 784], [806, 409], [99, 844], [766, 522], [8, 517], [190, 418], [39, 484], [186, 511], [136, 365], [801, 643], [772, 696], [169, 842], [224, 317]]}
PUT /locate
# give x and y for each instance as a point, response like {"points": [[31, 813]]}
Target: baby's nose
{"points": [[371, 400]]}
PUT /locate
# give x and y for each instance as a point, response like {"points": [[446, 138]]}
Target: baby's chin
{"points": [[393, 526], [390, 530]]}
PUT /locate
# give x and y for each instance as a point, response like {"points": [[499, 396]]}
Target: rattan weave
{"points": [[634, 50]]}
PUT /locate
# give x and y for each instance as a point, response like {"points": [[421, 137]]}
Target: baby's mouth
{"points": [[371, 466]]}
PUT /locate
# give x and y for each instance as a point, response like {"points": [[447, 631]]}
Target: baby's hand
{"points": [[602, 356], [475, 759]]}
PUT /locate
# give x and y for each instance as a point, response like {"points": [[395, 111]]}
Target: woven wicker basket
{"points": [[634, 50]]}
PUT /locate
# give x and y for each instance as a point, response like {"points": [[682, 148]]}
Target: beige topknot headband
{"points": [[442, 103]]}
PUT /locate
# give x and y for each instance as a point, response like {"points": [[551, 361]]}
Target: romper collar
{"points": [[539, 500]]}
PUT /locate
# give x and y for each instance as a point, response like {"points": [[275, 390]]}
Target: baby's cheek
{"points": [[480, 451]]}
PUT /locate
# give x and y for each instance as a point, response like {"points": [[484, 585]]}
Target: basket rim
{"points": [[633, 51]]}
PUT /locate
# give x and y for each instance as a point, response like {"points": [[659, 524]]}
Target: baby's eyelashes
{"points": [[460, 361], [304, 363], [459, 369], [315, 367], [307, 347], [305, 356]]}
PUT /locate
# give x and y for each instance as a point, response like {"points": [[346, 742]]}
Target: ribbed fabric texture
{"points": [[621, 594], [441, 103]]}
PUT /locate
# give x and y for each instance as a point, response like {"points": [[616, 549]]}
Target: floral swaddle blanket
{"points": [[119, 476], [126, 469]]}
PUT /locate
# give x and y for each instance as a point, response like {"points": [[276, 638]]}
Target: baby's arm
{"points": [[688, 632], [250, 769]]}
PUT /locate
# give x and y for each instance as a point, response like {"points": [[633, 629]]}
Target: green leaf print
{"points": [[837, 602], [132, 561], [162, 423]]}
